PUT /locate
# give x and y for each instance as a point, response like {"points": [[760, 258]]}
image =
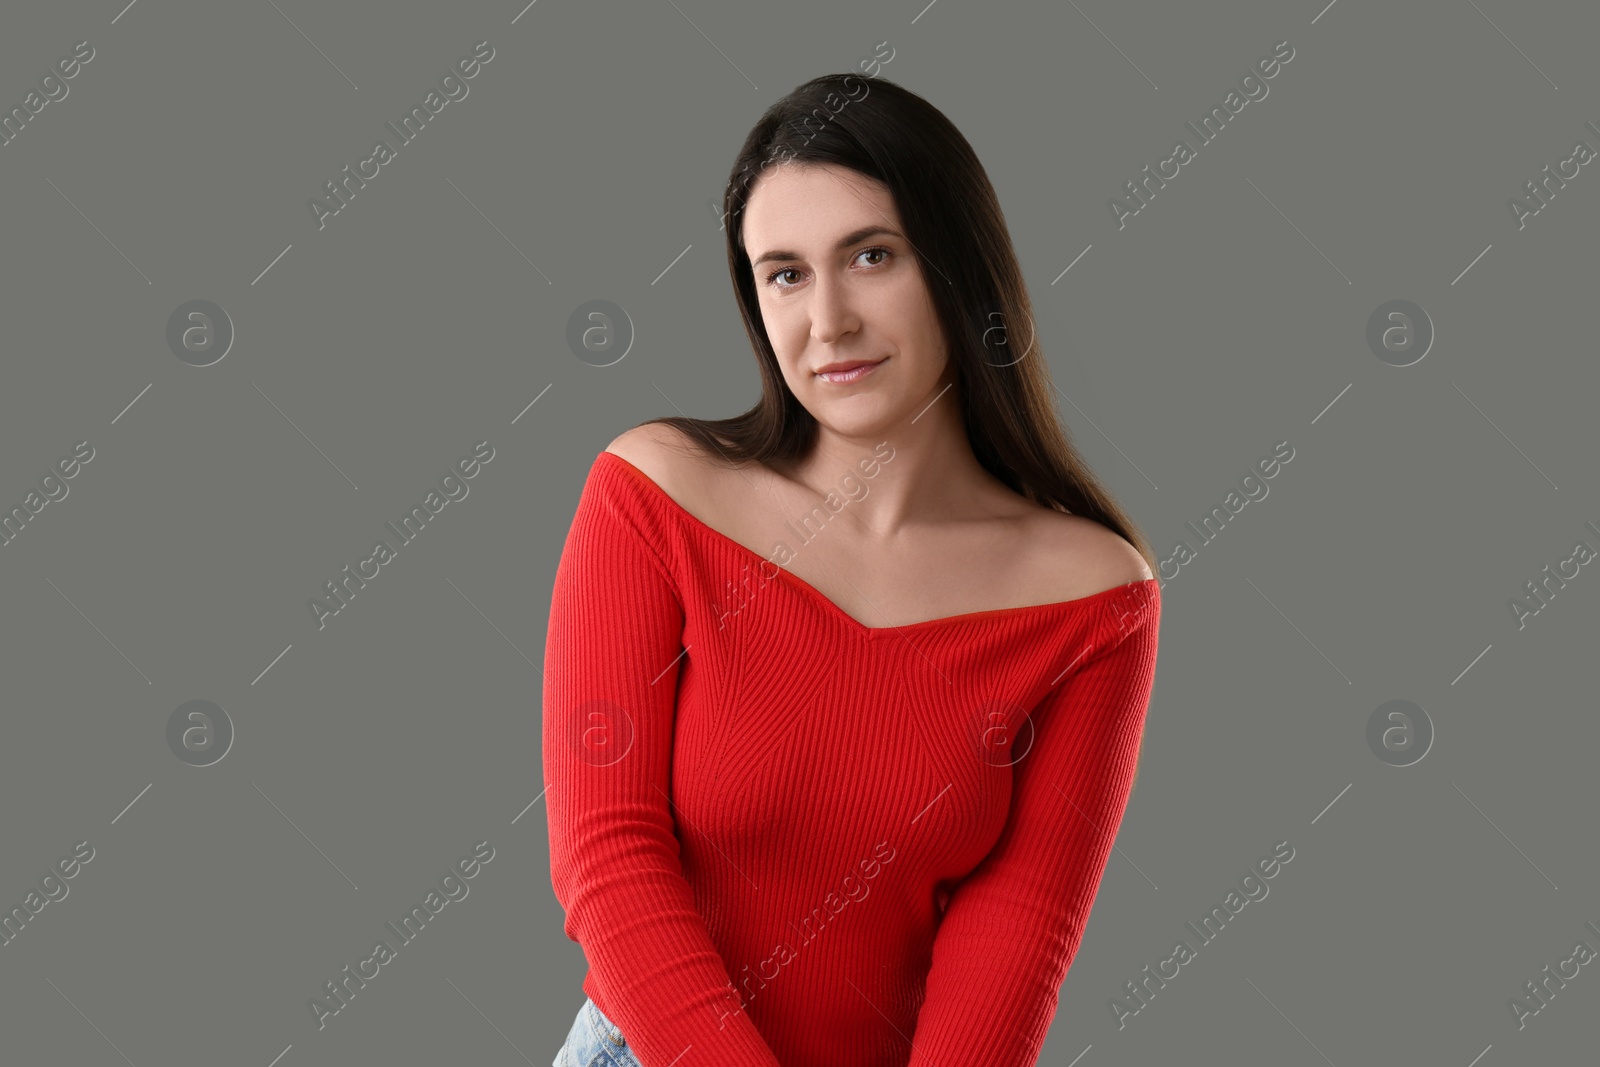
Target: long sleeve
{"points": [[1013, 925], [612, 658]]}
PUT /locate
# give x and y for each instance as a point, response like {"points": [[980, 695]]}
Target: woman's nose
{"points": [[831, 311]]}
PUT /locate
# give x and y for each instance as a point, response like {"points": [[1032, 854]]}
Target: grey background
{"points": [[1227, 316]]}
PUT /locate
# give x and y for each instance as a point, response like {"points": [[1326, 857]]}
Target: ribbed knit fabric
{"points": [[783, 837]]}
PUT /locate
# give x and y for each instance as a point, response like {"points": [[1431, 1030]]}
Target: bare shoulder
{"points": [[1081, 557], [666, 456]]}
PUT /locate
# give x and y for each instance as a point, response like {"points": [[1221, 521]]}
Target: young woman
{"points": [[844, 695]]}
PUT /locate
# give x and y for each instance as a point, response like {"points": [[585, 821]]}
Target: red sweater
{"points": [[787, 839]]}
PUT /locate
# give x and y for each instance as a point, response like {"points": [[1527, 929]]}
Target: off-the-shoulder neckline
{"points": [[827, 604]]}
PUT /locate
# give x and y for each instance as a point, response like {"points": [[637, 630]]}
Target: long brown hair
{"points": [[952, 218]]}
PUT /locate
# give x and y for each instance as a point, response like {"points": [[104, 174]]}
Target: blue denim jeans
{"points": [[594, 1041]]}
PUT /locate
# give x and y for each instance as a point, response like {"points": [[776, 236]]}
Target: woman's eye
{"points": [[773, 277]]}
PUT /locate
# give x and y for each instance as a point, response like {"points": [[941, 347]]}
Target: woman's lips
{"points": [[855, 374]]}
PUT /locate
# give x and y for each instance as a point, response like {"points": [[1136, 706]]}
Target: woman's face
{"points": [[839, 284]]}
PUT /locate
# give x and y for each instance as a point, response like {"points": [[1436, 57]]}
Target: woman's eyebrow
{"points": [[844, 242]]}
